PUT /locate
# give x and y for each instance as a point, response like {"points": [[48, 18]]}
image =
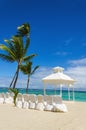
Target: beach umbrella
{"points": [[58, 78]]}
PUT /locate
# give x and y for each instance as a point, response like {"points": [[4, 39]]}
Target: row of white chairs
{"points": [[40, 102], [32, 101], [6, 97]]}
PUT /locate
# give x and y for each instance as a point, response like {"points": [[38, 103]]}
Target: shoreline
{"points": [[75, 89], [13, 118]]}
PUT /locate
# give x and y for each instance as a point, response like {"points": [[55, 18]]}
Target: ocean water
{"points": [[79, 95]]}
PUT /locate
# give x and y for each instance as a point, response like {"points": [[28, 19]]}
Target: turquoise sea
{"points": [[79, 95]]}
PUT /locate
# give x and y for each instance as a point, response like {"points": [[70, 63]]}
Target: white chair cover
{"points": [[32, 101], [8, 98], [40, 103], [1, 97], [19, 100], [25, 101], [48, 103]]}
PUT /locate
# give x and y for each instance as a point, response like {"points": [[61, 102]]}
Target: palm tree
{"points": [[27, 70], [15, 51]]}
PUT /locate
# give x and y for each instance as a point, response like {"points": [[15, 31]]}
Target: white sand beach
{"points": [[13, 118]]}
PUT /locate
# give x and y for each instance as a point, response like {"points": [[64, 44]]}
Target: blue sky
{"points": [[58, 36]]}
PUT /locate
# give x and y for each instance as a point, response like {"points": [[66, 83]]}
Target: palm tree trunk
{"points": [[13, 80], [27, 85], [17, 73]]}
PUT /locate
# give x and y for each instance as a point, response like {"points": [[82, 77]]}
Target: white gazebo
{"points": [[58, 78]]}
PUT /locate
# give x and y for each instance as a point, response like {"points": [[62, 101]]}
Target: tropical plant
{"points": [[15, 92], [27, 70], [15, 51]]}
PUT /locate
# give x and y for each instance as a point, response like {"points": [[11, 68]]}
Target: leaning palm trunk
{"points": [[13, 80], [27, 84], [17, 73]]}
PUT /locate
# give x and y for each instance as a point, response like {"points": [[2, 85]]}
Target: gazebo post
{"points": [[44, 90], [61, 90], [68, 93], [55, 89], [73, 94]]}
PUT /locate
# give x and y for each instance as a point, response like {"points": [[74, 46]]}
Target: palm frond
{"points": [[7, 51], [26, 45], [27, 68], [23, 69], [14, 90], [24, 29], [6, 58], [34, 69], [10, 45], [19, 46], [27, 58]]}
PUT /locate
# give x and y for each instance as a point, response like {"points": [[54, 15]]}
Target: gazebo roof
{"points": [[58, 77]]}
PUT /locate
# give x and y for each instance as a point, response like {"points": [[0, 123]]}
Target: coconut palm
{"points": [[27, 70], [15, 51]]}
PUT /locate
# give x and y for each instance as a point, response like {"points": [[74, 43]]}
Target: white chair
{"points": [[58, 105], [32, 101], [25, 101], [48, 103], [8, 98], [1, 97], [40, 103], [57, 99], [19, 100]]}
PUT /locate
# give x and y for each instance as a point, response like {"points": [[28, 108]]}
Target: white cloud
{"points": [[61, 53], [77, 72], [80, 62], [35, 80]]}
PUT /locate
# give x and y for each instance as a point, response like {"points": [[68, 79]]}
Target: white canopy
{"points": [[58, 78]]}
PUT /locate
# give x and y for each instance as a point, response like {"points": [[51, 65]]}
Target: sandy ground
{"points": [[12, 118]]}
